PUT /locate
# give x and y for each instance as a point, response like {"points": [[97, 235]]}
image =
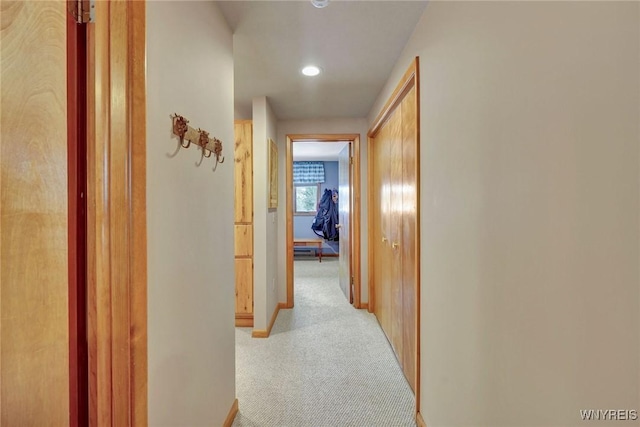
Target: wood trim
{"points": [[261, 333], [417, 245], [407, 81], [419, 420], [138, 212], [232, 414], [98, 302], [289, 220], [354, 138], [370, 230], [244, 320], [364, 306], [116, 181], [355, 224]]}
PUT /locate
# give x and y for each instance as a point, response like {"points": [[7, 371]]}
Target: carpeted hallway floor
{"points": [[325, 364]]}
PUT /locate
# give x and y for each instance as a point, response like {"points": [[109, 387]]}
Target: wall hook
{"points": [[204, 138], [217, 149], [180, 128]]}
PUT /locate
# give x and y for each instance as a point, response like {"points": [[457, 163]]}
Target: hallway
{"points": [[325, 363]]}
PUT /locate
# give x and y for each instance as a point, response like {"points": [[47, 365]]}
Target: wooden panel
{"points": [[243, 172], [344, 211], [409, 240], [395, 230], [244, 240], [34, 338], [244, 285]]}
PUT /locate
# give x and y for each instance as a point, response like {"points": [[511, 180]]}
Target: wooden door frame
{"points": [[354, 139], [116, 214], [409, 80]]}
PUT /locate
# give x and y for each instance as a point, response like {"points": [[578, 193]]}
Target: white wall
{"points": [[286, 127], [529, 210], [265, 227], [191, 287]]}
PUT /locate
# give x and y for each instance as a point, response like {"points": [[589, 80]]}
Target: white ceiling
{"points": [[317, 151], [356, 43]]}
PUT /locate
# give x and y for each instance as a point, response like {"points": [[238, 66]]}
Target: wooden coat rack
{"points": [[199, 137]]}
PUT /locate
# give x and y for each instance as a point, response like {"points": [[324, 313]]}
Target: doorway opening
{"points": [[348, 214]]}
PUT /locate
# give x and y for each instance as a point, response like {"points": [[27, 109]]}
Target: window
{"points": [[306, 198], [307, 178]]}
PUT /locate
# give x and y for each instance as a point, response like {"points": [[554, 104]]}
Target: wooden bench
{"points": [[317, 243]]}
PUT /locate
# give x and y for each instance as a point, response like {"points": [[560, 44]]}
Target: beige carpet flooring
{"points": [[325, 364]]}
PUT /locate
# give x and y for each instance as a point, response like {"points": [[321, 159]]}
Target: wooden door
{"points": [[394, 231], [344, 214], [382, 246], [34, 305], [408, 238], [243, 213]]}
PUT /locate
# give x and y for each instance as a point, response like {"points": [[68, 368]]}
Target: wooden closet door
{"points": [[34, 338], [409, 241], [394, 244], [394, 227], [395, 214], [382, 247]]}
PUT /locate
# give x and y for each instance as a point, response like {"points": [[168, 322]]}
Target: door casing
{"points": [[354, 139], [116, 214]]}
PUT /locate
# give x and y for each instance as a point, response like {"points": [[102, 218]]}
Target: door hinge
{"points": [[351, 160], [83, 11]]}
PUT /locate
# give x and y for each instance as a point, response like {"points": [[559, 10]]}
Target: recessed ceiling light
{"points": [[320, 3], [311, 70]]}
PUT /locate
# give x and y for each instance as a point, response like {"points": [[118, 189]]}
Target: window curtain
{"points": [[308, 173]]}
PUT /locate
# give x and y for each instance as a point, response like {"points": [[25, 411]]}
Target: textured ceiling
{"points": [[356, 43]]}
